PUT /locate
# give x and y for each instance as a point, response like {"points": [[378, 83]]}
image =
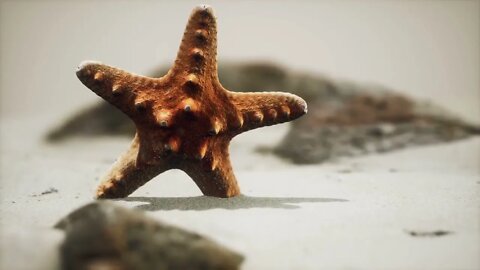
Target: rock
{"points": [[96, 120], [102, 235], [344, 118], [359, 122]]}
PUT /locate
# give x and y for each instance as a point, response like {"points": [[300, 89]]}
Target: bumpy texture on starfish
{"points": [[186, 119]]}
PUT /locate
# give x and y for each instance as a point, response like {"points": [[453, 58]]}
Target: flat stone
{"points": [[102, 235]]}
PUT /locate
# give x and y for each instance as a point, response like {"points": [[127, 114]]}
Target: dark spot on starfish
{"points": [[201, 36], [192, 83], [99, 76], [198, 55], [272, 113], [141, 106], [117, 90], [168, 149], [257, 117]]}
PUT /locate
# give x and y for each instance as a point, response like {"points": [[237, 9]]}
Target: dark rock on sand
{"points": [[344, 118], [357, 119], [101, 235], [100, 119]]}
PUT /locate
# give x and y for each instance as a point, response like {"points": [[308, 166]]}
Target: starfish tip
{"points": [[85, 64], [205, 9], [87, 69], [303, 104]]}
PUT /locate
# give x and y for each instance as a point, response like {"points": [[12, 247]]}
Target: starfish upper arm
{"points": [[198, 49], [118, 87], [267, 108]]}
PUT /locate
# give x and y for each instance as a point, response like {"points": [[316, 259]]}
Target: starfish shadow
{"points": [[239, 202]]}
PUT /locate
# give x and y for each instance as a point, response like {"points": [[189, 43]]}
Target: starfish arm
{"points": [[126, 176], [266, 108], [198, 49], [124, 90], [213, 173]]}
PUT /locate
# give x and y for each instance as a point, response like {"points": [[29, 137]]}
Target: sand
{"points": [[352, 213]]}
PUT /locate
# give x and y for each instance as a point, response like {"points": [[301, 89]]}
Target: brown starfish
{"points": [[186, 119]]}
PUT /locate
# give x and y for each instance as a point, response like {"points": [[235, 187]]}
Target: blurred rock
{"points": [[357, 120], [101, 235], [101, 119], [344, 118]]}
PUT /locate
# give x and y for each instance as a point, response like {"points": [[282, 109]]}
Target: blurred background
{"points": [[426, 49]]}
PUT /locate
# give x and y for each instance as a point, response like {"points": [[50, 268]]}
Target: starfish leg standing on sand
{"points": [[186, 119]]}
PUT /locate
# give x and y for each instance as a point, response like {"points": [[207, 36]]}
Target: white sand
{"points": [[307, 217]]}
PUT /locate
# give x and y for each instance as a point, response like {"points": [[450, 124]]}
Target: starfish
{"points": [[185, 120]]}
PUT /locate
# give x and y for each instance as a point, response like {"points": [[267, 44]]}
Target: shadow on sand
{"points": [[206, 203]]}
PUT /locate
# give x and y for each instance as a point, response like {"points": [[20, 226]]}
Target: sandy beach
{"points": [[416, 208], [353, 213]]}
